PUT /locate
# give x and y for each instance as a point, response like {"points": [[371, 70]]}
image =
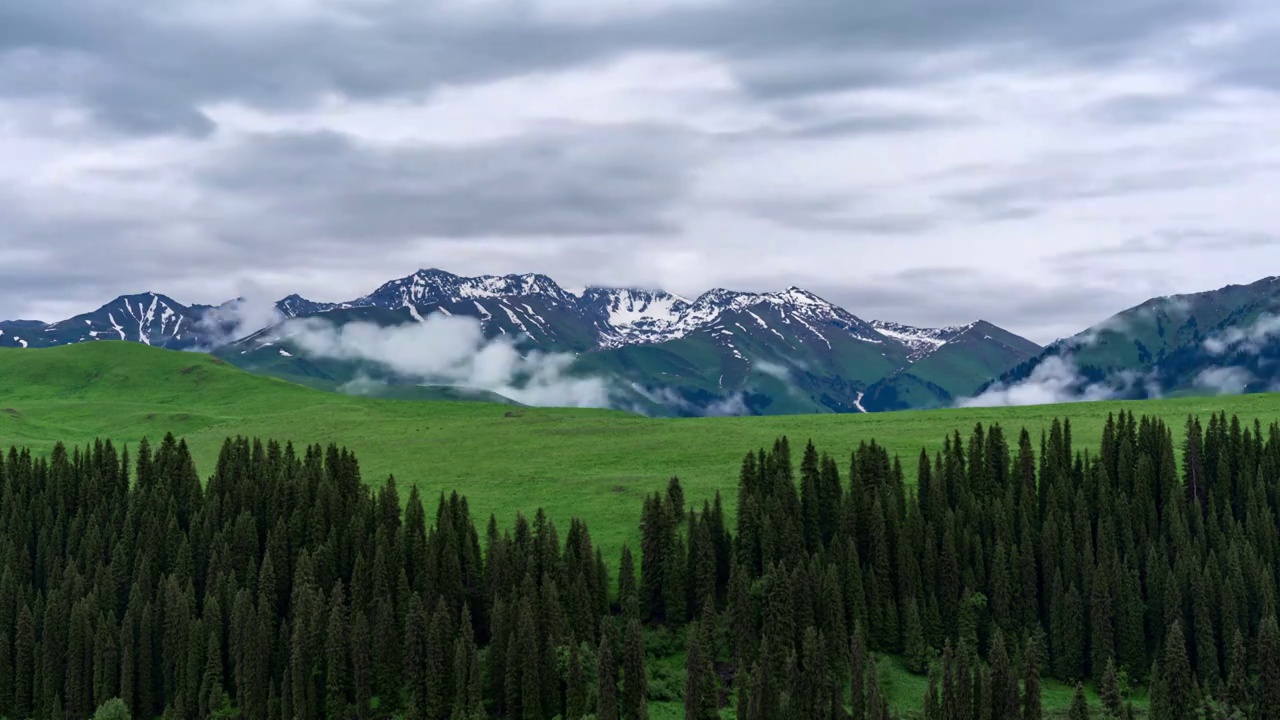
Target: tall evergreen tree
{"points": [[1266, 701], [1079, 707], [606, 681], [1031, 707], [635, 679]]}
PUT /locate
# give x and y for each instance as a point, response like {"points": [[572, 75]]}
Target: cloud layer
{"points": [[443, 350], [1037, 164]]}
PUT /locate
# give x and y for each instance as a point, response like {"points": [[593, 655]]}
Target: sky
{"points": [[1038, 164]]}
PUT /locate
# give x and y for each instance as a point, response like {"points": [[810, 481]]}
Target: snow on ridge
{"points": [[438, 286], [922, 342]]}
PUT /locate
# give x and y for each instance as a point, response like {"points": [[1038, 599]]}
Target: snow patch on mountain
{"points": [[922, 342], [427, 287]]}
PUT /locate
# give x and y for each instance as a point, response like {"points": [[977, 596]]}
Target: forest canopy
{"points": [[283, 586]]}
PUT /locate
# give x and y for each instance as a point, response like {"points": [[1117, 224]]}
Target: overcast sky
{"points": [[1037, 163]]}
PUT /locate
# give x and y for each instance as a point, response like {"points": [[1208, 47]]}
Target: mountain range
{"points": [[723, 351]]}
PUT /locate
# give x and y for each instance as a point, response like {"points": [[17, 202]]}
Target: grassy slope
{"points": [[593, 464]]}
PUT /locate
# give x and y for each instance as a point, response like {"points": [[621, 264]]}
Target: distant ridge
{"points": [[766, 352]]}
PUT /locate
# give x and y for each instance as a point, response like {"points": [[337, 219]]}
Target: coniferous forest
{"points": [[282, 586]]}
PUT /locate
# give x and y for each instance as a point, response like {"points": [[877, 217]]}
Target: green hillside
{"points": [[1167, 341], [594, 464]]}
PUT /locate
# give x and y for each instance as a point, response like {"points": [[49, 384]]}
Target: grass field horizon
{"points": [[593, 464]]}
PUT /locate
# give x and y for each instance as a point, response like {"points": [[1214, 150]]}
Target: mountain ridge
{"points": [[1170, 344], [709, 349]]}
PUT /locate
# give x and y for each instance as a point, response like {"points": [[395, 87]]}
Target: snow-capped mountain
{"points": [[626, 316], [428, 287], [922, 342], [298, 306], [808, 353], [148, 318]]}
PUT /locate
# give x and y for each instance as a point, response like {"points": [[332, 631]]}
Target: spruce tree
{"points": [[361, 666], [1237, 690], [211, 688], [1031, 707], [932, 704], [24, 663], [1266, 701], [1109, 690], [858, 662], [695, 668], [337, 655], [914, 645], [1176, 679], [1079, 707], [606, 680], [1004, 699], [635, 680], [628, 594], [576, 685]]}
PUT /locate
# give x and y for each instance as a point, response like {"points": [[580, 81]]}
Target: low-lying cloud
{"points": [[1125, 322], [1250, 339], [1224, 380], [733, 405], [444, 350], [1057, 380], [252, 311]]}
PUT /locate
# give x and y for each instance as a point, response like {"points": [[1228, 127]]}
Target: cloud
{"points": [[1057, 380], [325, 147], [253, 310], [1224, 380], [1123, 323], [1250, 339], [451, 351], [559, 181], [734, 404], [362, 384], [934, 296], [776, 370]]}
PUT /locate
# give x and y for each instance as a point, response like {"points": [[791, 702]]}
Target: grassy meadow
{"points": [[593, 464]]}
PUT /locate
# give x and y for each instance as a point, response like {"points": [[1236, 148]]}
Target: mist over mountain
{"points": [[1222, 341], [524, 337]]}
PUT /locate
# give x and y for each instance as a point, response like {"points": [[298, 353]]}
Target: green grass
{"points": [[593, 464]]}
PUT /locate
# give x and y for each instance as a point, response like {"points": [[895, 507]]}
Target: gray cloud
{"points": [[146, 68], [953, 296], [1166, 242], [1249, 339], [840, 215], [565, 181], [322, 147], [1047, 183], [877, 123], [1224, 380]]}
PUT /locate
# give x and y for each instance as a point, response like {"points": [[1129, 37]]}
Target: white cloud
{"points": [[452, 351], [1057, 380], [733, 404], [1248, 339], [781, 372], [1224, 380], [253, 310]]}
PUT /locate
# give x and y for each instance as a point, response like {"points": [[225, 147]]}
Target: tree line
{"points": [[286, 587]]}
